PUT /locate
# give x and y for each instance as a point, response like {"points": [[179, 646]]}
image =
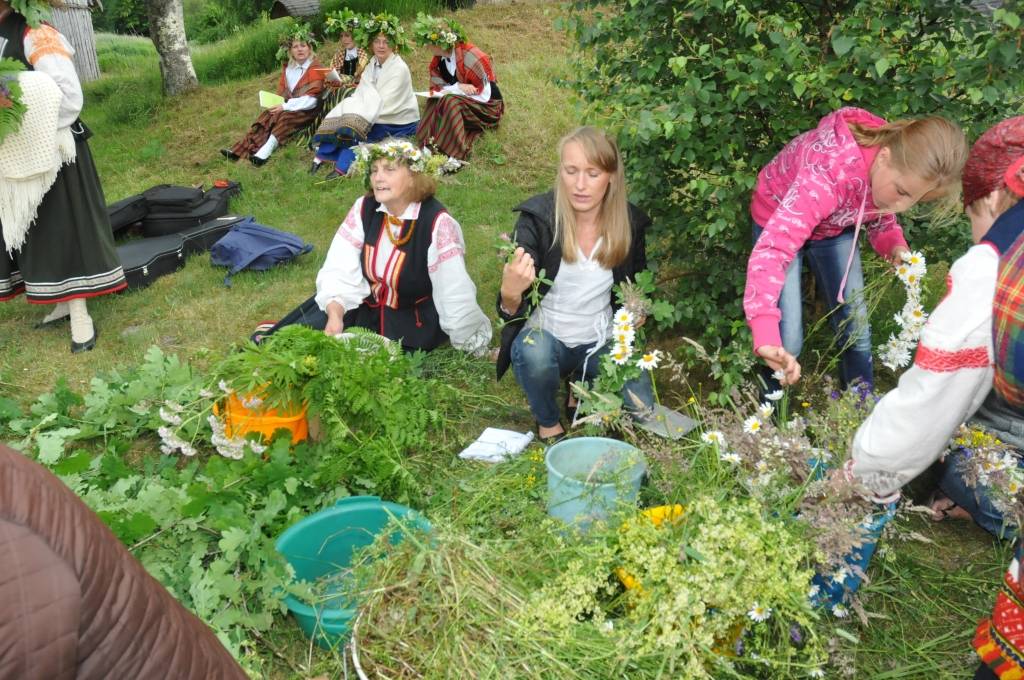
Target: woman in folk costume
{"points": [[382, 106], [342, 76], [397, 265], [56, 244], [465, 99], [301, 82]]}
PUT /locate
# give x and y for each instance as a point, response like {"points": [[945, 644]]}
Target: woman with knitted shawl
{"points": [[56, 244], [464, 96]]}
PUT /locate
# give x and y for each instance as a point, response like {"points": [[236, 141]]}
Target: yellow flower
{"points": [[806, 404]]}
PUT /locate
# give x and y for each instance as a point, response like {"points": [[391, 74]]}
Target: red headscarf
{"points": [[996, 159]]}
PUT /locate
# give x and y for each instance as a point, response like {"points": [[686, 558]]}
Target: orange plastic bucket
{"points": [[240, 420]]}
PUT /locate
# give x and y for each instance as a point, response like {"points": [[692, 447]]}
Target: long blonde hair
{"points": [[931, 148], [613, 217]]}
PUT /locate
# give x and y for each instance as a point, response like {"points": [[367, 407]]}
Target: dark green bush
{"points": [[703, 93]]}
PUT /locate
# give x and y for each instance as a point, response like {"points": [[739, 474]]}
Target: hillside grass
{"points": [[925, 597]]}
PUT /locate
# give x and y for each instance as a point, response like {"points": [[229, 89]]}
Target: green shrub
{"points": [[703, 93]]}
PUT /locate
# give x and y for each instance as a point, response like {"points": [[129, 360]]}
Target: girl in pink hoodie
{"points": [[854, 170]]}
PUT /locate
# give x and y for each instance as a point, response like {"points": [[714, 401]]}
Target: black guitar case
{"points": [[146, 259], [168, 209]]}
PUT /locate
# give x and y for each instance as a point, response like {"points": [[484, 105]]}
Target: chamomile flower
{"points": [[731, 457], [813, 591], [816, 673], [713, 437], [623, 317], [779, 374], [752, 425], [765, 411], [759, 613], [621, 353], [840, 611], [649, 360], [774, 396], [841, 575], [624, 335]]}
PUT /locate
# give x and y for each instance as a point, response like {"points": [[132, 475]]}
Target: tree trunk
{"points": [[167, 29]]}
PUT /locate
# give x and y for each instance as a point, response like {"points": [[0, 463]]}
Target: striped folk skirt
{"points": [[69, 250], [282, 125], [451, 123]]}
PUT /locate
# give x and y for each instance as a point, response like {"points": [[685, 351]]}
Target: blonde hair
{"points": [[613, 216], [931, 148]]}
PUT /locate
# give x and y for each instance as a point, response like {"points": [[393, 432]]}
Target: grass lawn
{"points": [[926, 595]]}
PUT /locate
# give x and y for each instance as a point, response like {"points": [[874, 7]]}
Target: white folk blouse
{"points": [[577, 308], [341, 277]]}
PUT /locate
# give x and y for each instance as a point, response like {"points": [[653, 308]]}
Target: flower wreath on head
{"points": [[388, 25], [11, 108], [345, 21], [34, 11], [400, 151], [445, 33], [298, 33]]}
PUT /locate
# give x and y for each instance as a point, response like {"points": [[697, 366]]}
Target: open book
{"points": [[331, 75], [269, 100]]}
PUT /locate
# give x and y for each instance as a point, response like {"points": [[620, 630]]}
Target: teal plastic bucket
{"points": [[589, 478], [323, 544]]}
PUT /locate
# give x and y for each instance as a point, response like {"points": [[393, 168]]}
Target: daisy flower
{"points": [[732, 458], [813, 591], [841, 575], [774, 396], [620, 354], [840, 611], [779, 374], [624, 335], [759, 613], [816, 673], [765, 411], [650, 360], [623, 317], [713, 437], [752, 425]]}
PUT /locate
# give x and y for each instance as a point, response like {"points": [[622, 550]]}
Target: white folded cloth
{"points": [[496, 445]]}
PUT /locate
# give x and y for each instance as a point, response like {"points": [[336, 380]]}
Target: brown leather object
{"points": [[74, 603]]}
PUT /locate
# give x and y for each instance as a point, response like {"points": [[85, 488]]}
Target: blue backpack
{"points": [[253, 246]]}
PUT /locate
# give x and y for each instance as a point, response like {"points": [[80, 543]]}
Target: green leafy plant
{"points": [[703, 93], [11, 108]]}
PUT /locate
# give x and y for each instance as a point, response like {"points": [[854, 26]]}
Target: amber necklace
{"points": [[399, 242]]}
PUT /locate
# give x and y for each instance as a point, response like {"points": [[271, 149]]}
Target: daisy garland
{"points": [[896, 353]]}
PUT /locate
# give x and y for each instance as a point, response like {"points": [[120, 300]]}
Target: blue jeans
{"points": [[540, 362], [341, 153], [975, 501], [827, 259]]}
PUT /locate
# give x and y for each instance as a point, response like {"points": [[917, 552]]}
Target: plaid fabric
{"points": [[284, 124], [472, 65], [349, 80], [451, 124], [1008, 320]]}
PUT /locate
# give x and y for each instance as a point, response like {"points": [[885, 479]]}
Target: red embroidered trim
{"points": [[942, 361]]}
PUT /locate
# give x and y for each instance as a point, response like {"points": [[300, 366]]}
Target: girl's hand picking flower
{"points": [[896, 256], [779, 359]]}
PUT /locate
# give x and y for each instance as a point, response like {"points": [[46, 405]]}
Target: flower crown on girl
{"points": [[300, 33], [346, 21], [444, 33], [386, 24], [401, 151]]}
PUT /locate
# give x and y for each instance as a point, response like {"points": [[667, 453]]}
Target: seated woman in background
{"points": [[397, 264], [302, 80], [586, 237], [344, 71], [465, 99], [382, 106]]}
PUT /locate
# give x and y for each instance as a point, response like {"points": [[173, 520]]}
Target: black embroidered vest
{"points": [[401, 307]]}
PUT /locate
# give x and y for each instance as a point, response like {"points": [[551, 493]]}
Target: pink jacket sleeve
{"points": [[810, 199], [886, 235]]}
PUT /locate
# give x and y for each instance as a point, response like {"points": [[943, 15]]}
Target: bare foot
{"points": [[944, 508], [553, 431]]}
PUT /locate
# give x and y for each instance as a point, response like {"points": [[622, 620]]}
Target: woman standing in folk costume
{"points": [[56, 244], [302, 80], [397, 265], [465, 99], [382, 106]]}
